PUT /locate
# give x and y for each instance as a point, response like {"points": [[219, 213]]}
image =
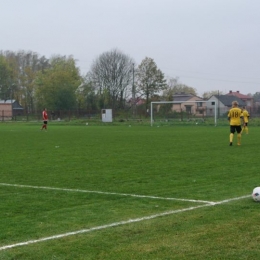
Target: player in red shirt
{"points": [[45, 119]]}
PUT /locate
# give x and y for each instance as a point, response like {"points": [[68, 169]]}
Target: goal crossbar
{"points": [[181, 102]]}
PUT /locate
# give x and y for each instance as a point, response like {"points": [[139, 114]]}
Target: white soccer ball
{"points": [[256, 194]]}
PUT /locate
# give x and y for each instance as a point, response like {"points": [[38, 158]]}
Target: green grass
{"points": [[78, 177]]}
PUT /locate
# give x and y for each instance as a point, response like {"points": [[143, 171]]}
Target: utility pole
{"points": [[218, 103], [133, 93]]}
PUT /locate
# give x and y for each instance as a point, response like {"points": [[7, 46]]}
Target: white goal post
{"points": [[213, 103]]}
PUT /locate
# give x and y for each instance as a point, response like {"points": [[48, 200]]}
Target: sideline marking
{"points": [[115, 224], [104, 192]]}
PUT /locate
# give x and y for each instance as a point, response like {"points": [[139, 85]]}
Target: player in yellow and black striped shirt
{"points": [[234, 115]]}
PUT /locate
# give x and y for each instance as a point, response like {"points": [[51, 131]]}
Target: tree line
{"points": [[113, 81]]}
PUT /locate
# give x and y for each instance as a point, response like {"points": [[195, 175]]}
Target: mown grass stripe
{"points": [[118, 223], [104, 192]]}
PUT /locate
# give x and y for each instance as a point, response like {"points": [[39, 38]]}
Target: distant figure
{"points": [[245, 120], [234, 115], [45, 119]]}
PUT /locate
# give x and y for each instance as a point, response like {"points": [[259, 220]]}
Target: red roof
{"points": [[239, 95]]}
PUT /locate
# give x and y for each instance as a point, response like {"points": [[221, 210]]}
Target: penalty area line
{"points": [[104, 193], [120, 223]]}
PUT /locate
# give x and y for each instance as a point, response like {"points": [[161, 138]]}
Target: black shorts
{"points": [[45, 122], [234, 128]]}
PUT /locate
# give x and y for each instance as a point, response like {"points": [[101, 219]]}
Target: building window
{"points": [[199, 104], [188, 109]]}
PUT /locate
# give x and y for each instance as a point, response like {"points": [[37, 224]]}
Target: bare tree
{"points": [[111, 74], [174, 86], [207, 95]]}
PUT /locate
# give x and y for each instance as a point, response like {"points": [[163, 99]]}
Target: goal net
{"points": [[184, 112]]}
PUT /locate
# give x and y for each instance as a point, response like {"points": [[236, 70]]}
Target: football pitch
{"points": [[107, 192]]}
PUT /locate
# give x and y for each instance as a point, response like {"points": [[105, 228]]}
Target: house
{"points": [[249, 101], [9, 109], [223, 104], [189, 103], [138, 101]]}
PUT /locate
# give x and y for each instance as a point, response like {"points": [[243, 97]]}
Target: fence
{"points": [[68, 115], [120, 115]]}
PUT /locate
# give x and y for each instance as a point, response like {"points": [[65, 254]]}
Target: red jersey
{"points": [[44, 115]]}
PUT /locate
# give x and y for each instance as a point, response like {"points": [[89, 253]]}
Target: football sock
{"points": [[246, 128], [239, 138], [231, 138]]}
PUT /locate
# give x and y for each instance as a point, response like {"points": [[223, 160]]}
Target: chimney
{"points": [[230, 91], [237, 91]]}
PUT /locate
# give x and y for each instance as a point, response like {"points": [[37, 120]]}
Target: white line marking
{"points": [[115, 224], [102, 192]]}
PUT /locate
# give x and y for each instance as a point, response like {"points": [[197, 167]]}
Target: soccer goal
{"points": [[185, 110]]}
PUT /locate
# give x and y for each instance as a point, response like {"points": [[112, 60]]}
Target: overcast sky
{"points": [[208, 44]]}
